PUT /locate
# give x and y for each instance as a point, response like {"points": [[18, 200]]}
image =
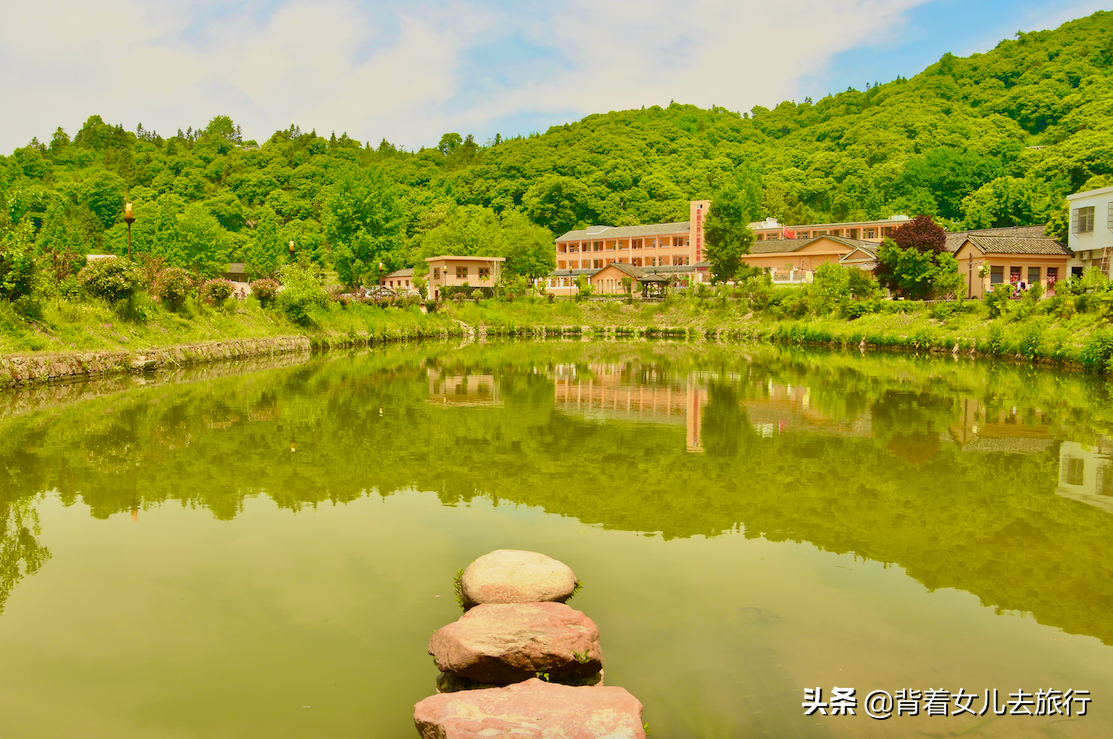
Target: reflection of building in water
{"points": [[611, 392], [1086, 473], [1006, 431], [786, 407], [463, 389], [615, 392]]}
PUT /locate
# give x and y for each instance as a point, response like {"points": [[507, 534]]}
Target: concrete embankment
{"points": [[32, 369]]}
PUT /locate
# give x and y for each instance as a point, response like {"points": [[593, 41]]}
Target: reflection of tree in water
{"points": [[20, 552], [910, 423], [889, 489]]}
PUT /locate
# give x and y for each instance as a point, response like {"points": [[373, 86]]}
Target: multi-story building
{"points": [[681, 244], [1091, 228], [874, 231], [654, 245]]}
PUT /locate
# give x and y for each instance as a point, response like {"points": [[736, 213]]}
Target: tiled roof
{"points": [[958, 238], [784, 246], [635, 272], [623, 232], [408, 272], [1018, 245]]}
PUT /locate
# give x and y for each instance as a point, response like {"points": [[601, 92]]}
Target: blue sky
{"points": [[410, 71]]}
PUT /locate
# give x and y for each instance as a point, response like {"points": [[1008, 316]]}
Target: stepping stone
{"points": [[532, 710], [499, 644], [516, 576]]}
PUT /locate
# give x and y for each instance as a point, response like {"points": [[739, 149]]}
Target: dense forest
{"points": [[994, 139]]}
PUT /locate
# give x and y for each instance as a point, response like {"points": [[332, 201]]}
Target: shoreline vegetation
{"points": [[77, 340]]}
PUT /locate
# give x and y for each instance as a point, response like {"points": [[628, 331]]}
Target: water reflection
{"points": [[961, 474], [1086, 473]]}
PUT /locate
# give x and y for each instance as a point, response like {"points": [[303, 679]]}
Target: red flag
{"points": [[786, 234]]}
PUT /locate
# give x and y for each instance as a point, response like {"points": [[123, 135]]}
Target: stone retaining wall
{"points": [[32, 369]]}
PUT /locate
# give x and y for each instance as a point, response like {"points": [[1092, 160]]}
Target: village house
{"points": [[455, 272], [401, 279], [1091, 229]]}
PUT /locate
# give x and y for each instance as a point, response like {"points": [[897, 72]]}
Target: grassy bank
{"points": [[1040, 335], [79, 326], [1081, 339]]}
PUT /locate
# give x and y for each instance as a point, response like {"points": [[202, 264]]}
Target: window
{"points": [[852, 233], [1072, 469], [996, 275], [1109, 217], [1082, 220], [436, 273], [461, 273], [1105, 480], [1033, 275], [484, 273], [407, 283], [1014, 275], [1075, 271], [1052, 275], [598, 264], [598, 246], [871, 233]]}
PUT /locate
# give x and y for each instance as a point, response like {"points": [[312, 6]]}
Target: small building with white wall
{"points": [[1091, 228]]}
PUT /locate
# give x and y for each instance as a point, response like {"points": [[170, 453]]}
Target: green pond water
{"points": [[250, 551]]}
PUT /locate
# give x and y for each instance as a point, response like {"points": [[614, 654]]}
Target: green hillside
{"points": [[990, 140]]}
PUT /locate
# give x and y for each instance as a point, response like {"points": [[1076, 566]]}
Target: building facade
{"points": [[872, 231], [655, 245], [449, 271], [1091, 228]]}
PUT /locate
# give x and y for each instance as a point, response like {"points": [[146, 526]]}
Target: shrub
{"points": [[110, 279], [18, 271], [477, 295], [1030, 339], [995, 340], [172, 286], [217, 292], [998, 298], [1097, 352], [265, 291], [830, 286], [303, 292]]}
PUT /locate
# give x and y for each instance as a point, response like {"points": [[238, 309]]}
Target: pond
{"points": [[265, 551]]}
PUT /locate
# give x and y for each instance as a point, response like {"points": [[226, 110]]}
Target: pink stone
{"points": [[500, 644], [533, 709]]}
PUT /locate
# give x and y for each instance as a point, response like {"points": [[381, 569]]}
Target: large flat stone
{"points": [[503, 643], [516, 576], [533, 709]]}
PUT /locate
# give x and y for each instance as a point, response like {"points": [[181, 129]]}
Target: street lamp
{"points": [[129, 219], [291, 251]]}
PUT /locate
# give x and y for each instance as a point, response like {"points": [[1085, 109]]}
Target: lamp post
{"points": [[129, 219], [291, 251]]}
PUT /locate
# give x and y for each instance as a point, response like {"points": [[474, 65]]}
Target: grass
{"points": [[66, 326], [1082, 339]]}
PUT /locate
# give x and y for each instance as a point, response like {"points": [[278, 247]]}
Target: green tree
{"points": [[727, 234], [199, 244], [363, 220]]}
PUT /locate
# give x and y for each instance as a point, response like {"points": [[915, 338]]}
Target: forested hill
{"points": [[990, 140]]}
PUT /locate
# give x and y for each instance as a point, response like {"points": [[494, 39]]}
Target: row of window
{"points": [[850, 233], [462, 273], [1016, 275], [635, 244], [637, 262], [1082, 219]]}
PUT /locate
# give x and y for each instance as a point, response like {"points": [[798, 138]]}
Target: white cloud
{"points": [[407, 71]]}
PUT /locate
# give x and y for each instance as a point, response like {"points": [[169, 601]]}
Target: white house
{"points": [[1091, 228]]}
